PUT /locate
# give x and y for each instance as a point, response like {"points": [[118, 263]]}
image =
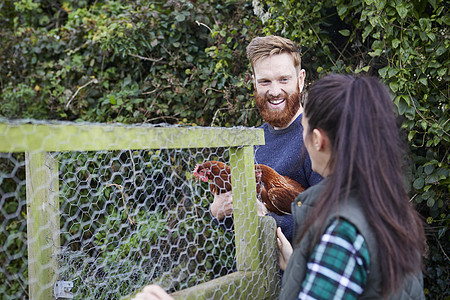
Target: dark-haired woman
{"points": [[357, 235]]}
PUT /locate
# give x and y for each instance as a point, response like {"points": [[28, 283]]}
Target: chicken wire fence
{"points": [[91, 211]]}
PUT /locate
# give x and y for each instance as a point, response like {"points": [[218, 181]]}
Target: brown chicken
{"points": [[217, 173], [276, 191]]}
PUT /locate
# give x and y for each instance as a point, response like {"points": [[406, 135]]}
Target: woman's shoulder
{"points": [[312, 193]]}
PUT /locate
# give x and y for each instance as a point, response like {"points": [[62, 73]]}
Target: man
{"points": [[278, 81]]}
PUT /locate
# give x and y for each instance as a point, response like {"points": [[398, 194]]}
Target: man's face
{"points": [[277, 89]]}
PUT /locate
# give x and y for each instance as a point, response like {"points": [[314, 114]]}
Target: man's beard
{"points": [[279, 119]]}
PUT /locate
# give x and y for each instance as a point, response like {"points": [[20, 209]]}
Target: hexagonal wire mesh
{"points": [[126, 218]]}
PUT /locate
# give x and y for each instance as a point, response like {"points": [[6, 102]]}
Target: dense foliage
{"points": [[184, 62], [130, 62]]}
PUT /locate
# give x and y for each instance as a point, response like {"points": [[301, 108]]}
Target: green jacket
{"points": [[352, 211]]}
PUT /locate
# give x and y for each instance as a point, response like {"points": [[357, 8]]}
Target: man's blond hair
{"points": [[262, 47]]}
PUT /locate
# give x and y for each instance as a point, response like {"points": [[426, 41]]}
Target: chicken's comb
{"points": [[195, 172]]}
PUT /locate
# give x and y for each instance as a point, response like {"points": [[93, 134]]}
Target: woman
{"points": [[357, 236]]}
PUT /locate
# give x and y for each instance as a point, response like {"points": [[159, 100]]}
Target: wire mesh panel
{"points": [[13, 230], [105, 210]]}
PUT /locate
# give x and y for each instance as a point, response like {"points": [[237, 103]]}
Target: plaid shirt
{"points": [[339, 265]]}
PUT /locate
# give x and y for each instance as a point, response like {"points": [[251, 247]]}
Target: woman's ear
{"points": [[320, 140]]}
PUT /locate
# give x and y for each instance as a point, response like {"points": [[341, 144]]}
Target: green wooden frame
{"points": [[39, 138]]}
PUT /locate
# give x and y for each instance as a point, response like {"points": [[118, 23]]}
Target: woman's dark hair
{"points": [[357, 115]]}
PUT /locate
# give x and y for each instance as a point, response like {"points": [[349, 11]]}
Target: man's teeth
{"points": [[273, 101]]}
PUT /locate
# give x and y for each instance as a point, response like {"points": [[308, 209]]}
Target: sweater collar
{"points": [[296, 125]]}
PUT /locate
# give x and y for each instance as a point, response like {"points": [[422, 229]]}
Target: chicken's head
{"points": [[201, 173]]}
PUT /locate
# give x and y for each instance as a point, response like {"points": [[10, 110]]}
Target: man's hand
{"points": [[222, 205], [285, 249], [261, 208], [152, 292]]}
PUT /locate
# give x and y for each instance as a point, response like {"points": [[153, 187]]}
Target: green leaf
{"points": [[366, 32], [342, 10], [424, 24], [433, 3], [365, 69], [428, 169], [423, 35], [394, 86], [392, 72], [424, 81], [446, 19], [419, 183], [426, 195], [433, 178], [441, 50], [383, 71], [411, 135], [395, 43], [402, 104], [401, 10], [380, 4], [180, 18], [376, 53], [442, 72], [424, 124], [344, 32]]}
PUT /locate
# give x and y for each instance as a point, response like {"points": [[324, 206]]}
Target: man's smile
{"points": [[276, 101]]}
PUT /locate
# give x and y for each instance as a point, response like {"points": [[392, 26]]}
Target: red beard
{"points": [[276, 118]]}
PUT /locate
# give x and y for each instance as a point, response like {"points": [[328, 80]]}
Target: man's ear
{"points": [[301, 79], [254, 82]]}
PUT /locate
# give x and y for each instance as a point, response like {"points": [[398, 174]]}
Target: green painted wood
{"points": [[95, 137], [269, 256], [238, 285], [244, 208], [42, 189]]}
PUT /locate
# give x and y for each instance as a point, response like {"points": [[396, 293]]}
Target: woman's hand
{"points": [[152, 292], [285, 249]]}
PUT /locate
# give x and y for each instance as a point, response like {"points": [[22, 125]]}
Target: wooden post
{"points": [[42, 223], [244, 208], [269, 257]]}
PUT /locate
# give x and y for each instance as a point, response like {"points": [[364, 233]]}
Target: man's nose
{"points": [[275, 90]]}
